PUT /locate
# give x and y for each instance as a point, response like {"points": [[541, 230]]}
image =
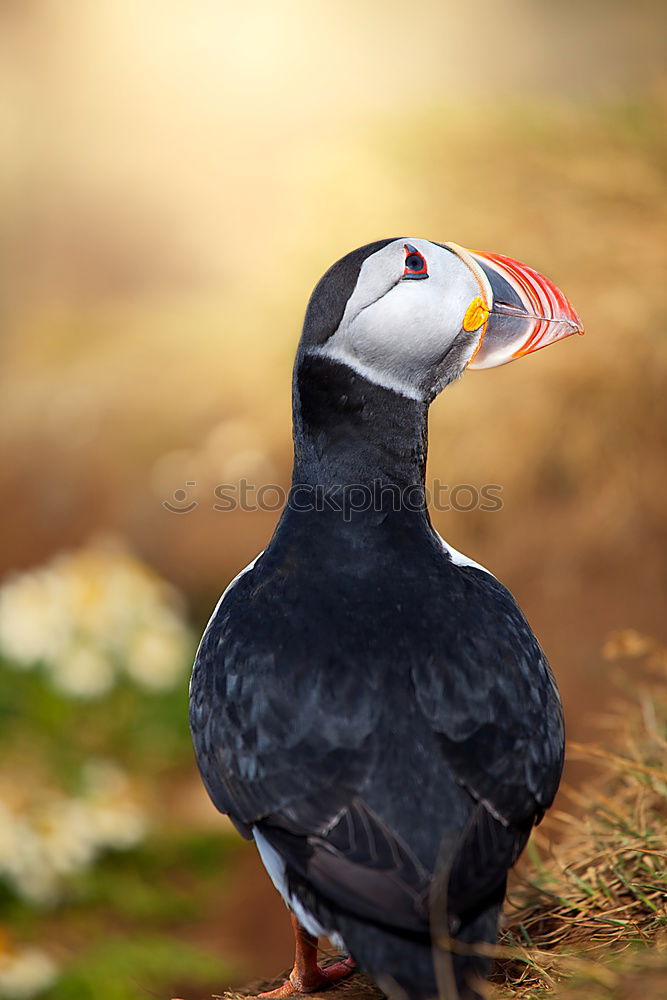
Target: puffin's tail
{"points": [[460, 972], [409, 967]]}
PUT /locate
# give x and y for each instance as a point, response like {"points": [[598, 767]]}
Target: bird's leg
{"points": [[307, 976]]}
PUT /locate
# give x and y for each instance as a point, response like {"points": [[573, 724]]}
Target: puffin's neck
{"points": [[349, 431]]}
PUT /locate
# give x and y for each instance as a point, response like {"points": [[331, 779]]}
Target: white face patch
{"points": [[397, 330]]}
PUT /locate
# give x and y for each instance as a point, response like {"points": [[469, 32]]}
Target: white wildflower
{"points": [[45, 841], [65, 840], [83, 672], [87, 614], [156, 654], [20, 855], [30, 624], [115, 817], [25, 973]]}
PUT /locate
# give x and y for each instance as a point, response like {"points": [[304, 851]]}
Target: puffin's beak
{"points": [[524, 311]]}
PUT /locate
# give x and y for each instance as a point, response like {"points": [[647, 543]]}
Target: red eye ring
{"points": [[415, 263]]}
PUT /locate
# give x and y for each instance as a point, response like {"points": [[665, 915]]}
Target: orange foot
{"points": [[313, 979]]}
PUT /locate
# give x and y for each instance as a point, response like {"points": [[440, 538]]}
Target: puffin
{"points": [[367, 704]]}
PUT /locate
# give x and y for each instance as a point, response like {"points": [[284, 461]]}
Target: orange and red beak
{"points": [[518, 309]]}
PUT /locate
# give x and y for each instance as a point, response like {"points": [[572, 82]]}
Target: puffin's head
{"points": [[412, 315]]}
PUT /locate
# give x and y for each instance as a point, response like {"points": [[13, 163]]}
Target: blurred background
{"points": [[174, 178]]}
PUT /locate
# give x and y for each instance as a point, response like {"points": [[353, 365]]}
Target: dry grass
{"points": [[591, 912]]}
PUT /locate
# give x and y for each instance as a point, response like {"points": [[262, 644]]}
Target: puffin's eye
{"points": [[415, 264]]}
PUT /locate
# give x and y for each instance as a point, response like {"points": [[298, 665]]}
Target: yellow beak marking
{"points": [[476, 315]]}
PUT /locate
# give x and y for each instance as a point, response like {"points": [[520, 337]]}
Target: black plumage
{"points": [[382, 716]]}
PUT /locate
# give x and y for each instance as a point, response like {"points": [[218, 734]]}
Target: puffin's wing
{"points": [[362, 865], [358, 863], [286, 754], [271, 738], [494, 706]]}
